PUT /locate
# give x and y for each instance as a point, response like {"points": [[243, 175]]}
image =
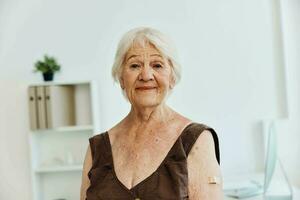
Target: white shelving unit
{"points": [[57, 153]]}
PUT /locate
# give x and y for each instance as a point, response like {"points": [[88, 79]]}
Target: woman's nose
{"points": [[146, 73]]}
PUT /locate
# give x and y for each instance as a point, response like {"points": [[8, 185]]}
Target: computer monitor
{"points": [[270, 164], [271, 156]]}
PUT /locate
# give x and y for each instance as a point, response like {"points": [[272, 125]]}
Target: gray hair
{"points": [[141, 36]]}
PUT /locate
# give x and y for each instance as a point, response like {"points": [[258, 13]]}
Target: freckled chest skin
{"points": [[137, 158]]}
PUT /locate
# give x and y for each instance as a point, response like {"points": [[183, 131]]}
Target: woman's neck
{"points": [[148, 117]]}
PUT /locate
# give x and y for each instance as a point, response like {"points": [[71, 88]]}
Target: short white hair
{"points": [[141, 36]]}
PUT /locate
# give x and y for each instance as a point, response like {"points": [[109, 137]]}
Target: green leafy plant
{"points": [[48, 65]]}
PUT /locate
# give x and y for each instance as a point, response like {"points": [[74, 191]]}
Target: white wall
{"points": [[231, 76], [290, 128]]}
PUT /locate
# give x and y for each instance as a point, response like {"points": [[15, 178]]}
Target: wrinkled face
{"points": [[146, 76]]}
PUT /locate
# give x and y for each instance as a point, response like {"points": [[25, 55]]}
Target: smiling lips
{"points": [[145, 88]]}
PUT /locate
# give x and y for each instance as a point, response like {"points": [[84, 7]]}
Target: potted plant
{"points": [[48, 67]]}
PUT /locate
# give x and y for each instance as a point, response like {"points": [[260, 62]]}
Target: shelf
{"points": [[62, 119], [66, 168], [61, 83], [67, 129]]}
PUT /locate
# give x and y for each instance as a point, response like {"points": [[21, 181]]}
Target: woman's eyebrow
{"points": [[132, 56], [156, 55]]}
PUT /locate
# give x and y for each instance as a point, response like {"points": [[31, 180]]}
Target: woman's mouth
{"points": [[145, 88]]}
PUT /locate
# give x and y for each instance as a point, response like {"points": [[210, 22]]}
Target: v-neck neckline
{"points": [[152, 174]]}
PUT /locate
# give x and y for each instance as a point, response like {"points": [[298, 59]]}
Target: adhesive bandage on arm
{"points": [[214, 180]]}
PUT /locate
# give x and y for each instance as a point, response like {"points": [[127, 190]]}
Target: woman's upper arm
{"points": [[202, 164], [85, 183]]}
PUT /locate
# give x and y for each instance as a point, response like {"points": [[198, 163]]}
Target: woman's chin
{"points": [[148, 102]]}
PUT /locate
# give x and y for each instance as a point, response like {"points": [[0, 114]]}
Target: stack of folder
{"points": [[51, 106]]}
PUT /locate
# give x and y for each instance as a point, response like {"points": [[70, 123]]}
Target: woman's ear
{"points": [[172, 81], [172, 77], [121, 80]]}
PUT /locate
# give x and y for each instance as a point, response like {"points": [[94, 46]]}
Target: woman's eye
{"points": [[134, 66], [157, 65]]}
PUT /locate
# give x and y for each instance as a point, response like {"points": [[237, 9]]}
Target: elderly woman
{"points": [[154, 152]]}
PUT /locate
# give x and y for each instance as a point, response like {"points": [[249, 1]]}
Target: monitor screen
{"points": [[271, 156]]}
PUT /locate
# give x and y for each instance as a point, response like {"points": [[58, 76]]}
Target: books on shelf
{"points": [[33, 107], [51, 106], [59, 106], [41, 110]]}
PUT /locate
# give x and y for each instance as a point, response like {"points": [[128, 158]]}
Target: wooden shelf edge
{"points": [[51, 169], [67, 129]]}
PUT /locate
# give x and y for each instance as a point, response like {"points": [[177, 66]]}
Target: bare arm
{"points": [[202, 165], [85, 183]]}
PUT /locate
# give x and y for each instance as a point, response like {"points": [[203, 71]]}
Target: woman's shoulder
{"points": [[98, 135], [199, 127], [111, 131], [199, 136], [96, 140]]}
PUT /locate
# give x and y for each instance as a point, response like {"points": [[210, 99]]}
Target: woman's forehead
{"points": [[140, 50]]}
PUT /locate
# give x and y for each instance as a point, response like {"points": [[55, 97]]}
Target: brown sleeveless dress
{"points": [[169, 181]]}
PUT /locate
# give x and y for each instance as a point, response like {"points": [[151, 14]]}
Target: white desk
{"points": [[260, 197], [234, 182], [296, 196]]}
